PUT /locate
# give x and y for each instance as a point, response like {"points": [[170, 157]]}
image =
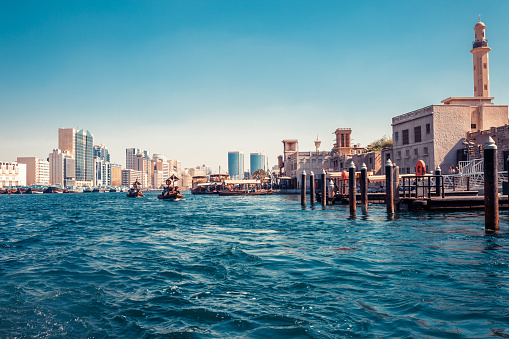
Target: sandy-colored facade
{"points": [[435, 134], [12, 174], [116, 175]]}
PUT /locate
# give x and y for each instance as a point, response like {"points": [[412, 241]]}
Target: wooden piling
{"points": [[438, 181], [491, 214], [395, 185], [352, 189], [324, 188], [364, 188], [312, 188], [303, 189], [389, 188]]}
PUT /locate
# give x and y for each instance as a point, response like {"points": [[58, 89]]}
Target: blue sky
{"points": [[195, 79]]}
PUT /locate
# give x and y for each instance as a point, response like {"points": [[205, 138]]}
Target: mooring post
{"points": [[389, 188], [438, 181], [352, 189], [395, 191], [312, 187], [324, 188], [331, 192], [490, 186], [364, 188], [303, 189]]}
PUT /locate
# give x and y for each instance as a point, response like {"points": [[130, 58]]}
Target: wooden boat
{"points": [[34, 190], [53, 190], [135, 191], [244, 187], [171, 192]]}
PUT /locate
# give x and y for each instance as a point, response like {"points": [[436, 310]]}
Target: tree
{"points": [[259, 174], [379, 144]]}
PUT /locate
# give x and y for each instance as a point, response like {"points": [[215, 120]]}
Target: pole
{"points": [[312, 187], [303, 189], [389, 193], [438, 179], [364, 188], [324, 188], [395, 192], [491, 214], [352, 191]]}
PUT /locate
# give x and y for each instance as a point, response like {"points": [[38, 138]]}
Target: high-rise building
{"points": [[257, 161], [102, 172], [139, 160], [62, 168], [130, 175], [37, 170], [116, 175], [236, 165], [102, 152], [80, 144]]}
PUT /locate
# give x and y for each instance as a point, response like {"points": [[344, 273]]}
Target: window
{"points": [[407, 153], [484, 65], [406, 139], [425, 150], [417, 134], [416, 151], [473, 126], [399, 154], [474, 67], [408, 170], [485, 87], [428, 128], [396, 136]]}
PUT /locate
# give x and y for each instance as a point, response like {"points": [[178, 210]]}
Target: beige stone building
{"points": [[116, 175], [435, 134], [12, 174]]}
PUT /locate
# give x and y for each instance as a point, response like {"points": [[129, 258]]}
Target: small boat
{"points": [[53, 190], [114, 189], [135, 191], [171, 192]]}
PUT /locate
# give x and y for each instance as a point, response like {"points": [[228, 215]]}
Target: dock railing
{"points": [[422, 186]]}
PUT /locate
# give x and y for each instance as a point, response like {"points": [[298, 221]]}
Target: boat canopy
{"points": [[241, 182]]}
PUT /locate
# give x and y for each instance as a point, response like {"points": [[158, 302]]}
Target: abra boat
{"points": [[171, 192], [135, 191]]}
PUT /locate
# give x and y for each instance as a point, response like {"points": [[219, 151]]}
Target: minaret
{"points": [[317, 144], [480, 51]]}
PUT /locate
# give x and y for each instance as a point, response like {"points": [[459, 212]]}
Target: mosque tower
{"points": [[480, 51], [317, 144]]}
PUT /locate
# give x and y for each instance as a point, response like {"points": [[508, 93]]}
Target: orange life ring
{"points": [[344, 175], [420, 168]]}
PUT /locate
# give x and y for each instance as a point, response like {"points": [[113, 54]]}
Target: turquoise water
{"points": [[102, 265]]}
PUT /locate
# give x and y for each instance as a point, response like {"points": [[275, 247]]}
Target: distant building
{"points": [[257, 161], [435, 134], [139, 160], [236, 165], [80, 144], [116, 175], [12, 174], [37, 170], [62, 168], [102, 172], [102, 152], [129, 176]]}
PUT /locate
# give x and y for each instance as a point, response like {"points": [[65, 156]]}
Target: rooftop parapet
{"points": [[414, 114]]}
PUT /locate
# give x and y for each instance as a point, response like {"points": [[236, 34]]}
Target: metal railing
{"points": [[476, 44], [427, 186]]}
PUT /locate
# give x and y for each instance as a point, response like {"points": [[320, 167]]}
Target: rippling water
{"points": [[102, 265]]}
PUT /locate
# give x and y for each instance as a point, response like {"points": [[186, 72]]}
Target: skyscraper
{"points": [[80, 144], [257, 161], [236, 165]]}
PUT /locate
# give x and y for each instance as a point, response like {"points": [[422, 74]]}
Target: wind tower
{"points": [[480, 51]]}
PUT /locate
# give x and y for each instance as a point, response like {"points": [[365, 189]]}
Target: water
{"points": [[102, 265]]}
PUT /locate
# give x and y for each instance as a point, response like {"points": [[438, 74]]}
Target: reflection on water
{"points": [[102, 265]]}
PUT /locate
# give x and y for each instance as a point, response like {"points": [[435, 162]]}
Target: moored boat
{"points": [[53, 190], [171, 192], [135, 190]]}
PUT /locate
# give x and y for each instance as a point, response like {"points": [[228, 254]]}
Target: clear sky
{"points": [[195, 79]]}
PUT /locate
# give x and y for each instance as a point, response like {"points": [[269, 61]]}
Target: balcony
{"points": [[477, 44]]}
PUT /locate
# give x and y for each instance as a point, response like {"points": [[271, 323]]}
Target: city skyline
{"points": [[173, 77]]}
